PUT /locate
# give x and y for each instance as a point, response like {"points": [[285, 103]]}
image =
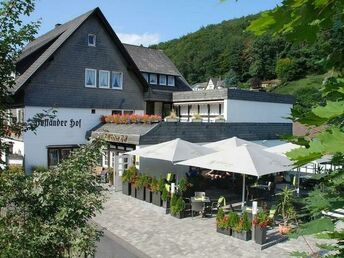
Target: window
{"points": [[162, 79], [53, 155], [104, 79], [170, 80], [90, 78], [117, 80], [93, 111], [91, 40], [128, 112], [153, 78], [116, 112], [65, 153], [145, 75]]}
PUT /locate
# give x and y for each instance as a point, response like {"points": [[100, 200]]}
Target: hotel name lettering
{"points": [[71, 123], [122, 138]]}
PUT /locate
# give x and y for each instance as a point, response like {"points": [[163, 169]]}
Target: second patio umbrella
{"points": [[244, 159]]}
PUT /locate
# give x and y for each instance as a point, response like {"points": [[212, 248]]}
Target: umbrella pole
{"points": [[243, 192]]}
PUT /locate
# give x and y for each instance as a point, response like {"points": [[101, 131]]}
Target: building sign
{"points": [[119, 138], [71, 123]]}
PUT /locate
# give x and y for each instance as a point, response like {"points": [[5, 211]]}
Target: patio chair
{"points": [[199, 194], [216, 205], [196, 207]]}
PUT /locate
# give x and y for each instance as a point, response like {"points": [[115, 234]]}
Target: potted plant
{"points": [[260, 222], [157, 187], [178, 207], [140, 187], [233, 220], [172, 117], [220, 119], [148, 188], [222, 223], [196, 117], [285, 207], [165, 197], [127, 177], [242, 229]]}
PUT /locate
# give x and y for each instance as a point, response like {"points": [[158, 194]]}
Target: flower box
{"points": [[180, 215], [225, 231], [148, 195], [260, 235], [243, 235], [156, 199], [126, 188], [140, 193], [166, 205], [171, 119], [133, 190]]}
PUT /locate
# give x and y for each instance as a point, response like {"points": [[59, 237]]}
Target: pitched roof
{"points": [[58, 36], [152, 60]]}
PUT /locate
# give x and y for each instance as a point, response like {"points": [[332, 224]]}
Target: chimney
{"points": [[57, 25]]}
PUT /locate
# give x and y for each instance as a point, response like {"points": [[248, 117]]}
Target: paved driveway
{"points": [[156, 234]]}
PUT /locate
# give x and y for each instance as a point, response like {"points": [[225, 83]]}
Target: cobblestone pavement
{"points": [[156, 234]]}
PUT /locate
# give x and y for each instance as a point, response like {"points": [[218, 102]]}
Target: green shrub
{"points": [[233, 219], [154, 185], [165, 195], [174, 200], [129, 174], [39, 169], [14, 169], [244, 223], [286, 69], [182, 185], [179, 205], [162, 183], [140, 181]]}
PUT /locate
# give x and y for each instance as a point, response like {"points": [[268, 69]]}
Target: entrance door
{"points": [[122, 162]]}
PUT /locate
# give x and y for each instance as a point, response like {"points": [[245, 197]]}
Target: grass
{"points": [[310, 81]]}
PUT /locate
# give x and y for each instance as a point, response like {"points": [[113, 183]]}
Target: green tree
{"points": [[300, 21], [231, 79], [286, 69], [13, 36], [48, 213]]}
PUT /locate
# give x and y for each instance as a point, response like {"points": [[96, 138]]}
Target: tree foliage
{"points": [[47, 214], [13, 36]]}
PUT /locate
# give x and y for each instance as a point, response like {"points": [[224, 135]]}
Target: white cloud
{"points": [[145, 39]]}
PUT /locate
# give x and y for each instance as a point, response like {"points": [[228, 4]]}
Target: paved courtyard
{"points": [[156, 234]]}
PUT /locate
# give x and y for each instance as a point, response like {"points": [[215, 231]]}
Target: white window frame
{"points": [[121, 86], [162, 75], [108, 82], [88, 40], [95, 79], [174, 80], [156, 77]]}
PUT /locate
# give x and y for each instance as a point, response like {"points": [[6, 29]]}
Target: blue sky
{"points": [[149, 21]]}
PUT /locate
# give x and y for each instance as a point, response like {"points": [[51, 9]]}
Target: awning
{"points": [[122, 133], [198, 102]]}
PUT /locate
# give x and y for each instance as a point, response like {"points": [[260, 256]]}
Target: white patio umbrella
{"points": [[244, 159], [230, 143], [174, 151], [282, 149]]}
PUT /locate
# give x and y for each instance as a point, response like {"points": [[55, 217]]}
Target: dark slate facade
{"points": [[60, 82], [210, 132]]}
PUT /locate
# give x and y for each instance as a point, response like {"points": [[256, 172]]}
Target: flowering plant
{"points": [[261, 219], [244, 223], [130, 119]]}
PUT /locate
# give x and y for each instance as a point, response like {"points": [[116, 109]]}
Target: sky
{"points": [[149, 22]]}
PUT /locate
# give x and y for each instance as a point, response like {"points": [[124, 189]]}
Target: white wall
{"points": [[18, 148], [256, 111], [36, 144]]}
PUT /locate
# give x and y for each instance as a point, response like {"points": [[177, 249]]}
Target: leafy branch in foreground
{"points": [[47, 214]]}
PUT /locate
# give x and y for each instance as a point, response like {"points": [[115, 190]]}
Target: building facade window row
{"points": [[159, 79], [106, 79]]}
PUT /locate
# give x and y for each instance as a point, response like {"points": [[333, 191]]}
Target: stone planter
{"points": [[140, 193], [225, 231], [171, 119], [166, 205], [180, 215], [260, 235], [133, 190], [126, 188], [148, 195], [156, 199], [244, 235], [196, 120]]}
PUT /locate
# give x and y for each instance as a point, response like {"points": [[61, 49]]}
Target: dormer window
{"points": [[162, 79], [145, 75], [91, 40], [153, 78], [170, 80]]}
